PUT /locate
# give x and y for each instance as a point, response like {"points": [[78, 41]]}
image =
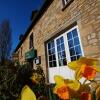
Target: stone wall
{"points": [[87, 15]]}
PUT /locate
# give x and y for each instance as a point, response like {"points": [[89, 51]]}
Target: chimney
{"points": [[34, 13]]}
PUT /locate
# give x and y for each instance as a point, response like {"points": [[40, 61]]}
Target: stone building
{"points": [[62, 31]]}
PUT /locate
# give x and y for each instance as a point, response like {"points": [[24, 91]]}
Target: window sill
{"points": [[65, 6]]}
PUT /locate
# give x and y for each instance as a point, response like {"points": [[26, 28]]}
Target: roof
{"points": [[34, 21]]}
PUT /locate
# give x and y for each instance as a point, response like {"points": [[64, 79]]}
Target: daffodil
{"points": [[85, 96], [73, 84], [27, 94], [63, 87], [85, 67], [36, 77], [98, 93]]}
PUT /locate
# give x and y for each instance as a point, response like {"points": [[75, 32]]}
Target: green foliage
{"points": [[7, 83], [14, 78]]}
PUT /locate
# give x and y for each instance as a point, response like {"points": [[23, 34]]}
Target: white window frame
{"points": [[56, 48], [79, 40], [66, 1], [66, 46]]}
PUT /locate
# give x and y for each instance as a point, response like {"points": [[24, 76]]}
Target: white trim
{"points": [[78, 37], [63, 70], [80, 41], [66, 48], [66, 1], [56, 53]]}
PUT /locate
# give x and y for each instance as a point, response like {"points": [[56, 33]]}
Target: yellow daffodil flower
{"points": [[27, 94], [63, 86], [35, 78], [98, 93], [85, 67], [73, 84]]}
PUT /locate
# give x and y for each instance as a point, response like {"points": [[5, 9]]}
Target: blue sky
{"points": [[18, 12]]}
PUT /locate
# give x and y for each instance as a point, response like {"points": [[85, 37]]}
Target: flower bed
{"points": [[75, 89]]}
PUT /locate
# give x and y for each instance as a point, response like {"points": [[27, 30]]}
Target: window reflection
{"points": [[74, 45], [61, 51], [51, 54]]}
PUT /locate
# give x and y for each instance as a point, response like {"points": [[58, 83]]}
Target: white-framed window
{"points": [[31, 41], [64, 48], [51, 54], [66, 2]]}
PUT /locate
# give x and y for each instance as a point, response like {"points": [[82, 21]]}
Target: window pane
{"points": [[70, 43], [62, 47], [76, 41], [54, 57], [49, 52], [69, 35], [58, 48], [59, 55], [78, 56], [31, 41], [73, 58], [74, 45], [63, 54], [49, 46], [78, 49], [53, 51], [52, 44], [54, 64], [61, 40], [62, 62], [74, 33], [72, 51], [50, 64], [50, 58], [58, 41]]}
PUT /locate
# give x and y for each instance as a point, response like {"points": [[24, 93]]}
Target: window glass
{"points": [[61, 51], [50, 58], [62, 62], [72, 51], [66, 2], [61, 40], [76, 41], [73, 58], [78, 56], [57, 49], [51, 54], [58, 42], [69, 35], [78, 49], [62, 47], [74, 33], [74, 45], [48, 45], [31, 41], [70, 43]]}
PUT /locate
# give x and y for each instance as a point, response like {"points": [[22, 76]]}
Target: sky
{"points": [[18, 12]]}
